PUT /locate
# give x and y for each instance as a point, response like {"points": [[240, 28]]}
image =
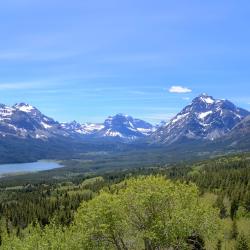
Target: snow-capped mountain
{"points": [[24, 120], [125, 126], [83, 129], [205, 118], [27, 134], [119, 126]]}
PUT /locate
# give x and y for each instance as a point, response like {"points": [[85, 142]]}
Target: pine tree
{"points": [[219, 245], [234, 232], [241, 243], [223, 211], [234, 208]]}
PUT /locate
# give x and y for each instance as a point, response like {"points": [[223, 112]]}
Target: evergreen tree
{"points": [[221, 206], [223, 212], [219, 245], [234, 208], [234, 231], [241, 243], [196, 242]]}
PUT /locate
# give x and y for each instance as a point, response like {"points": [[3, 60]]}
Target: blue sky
{"points": [[85, 60]]}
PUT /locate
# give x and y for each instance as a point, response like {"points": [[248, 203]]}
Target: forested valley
{"points": [[198, 205]]}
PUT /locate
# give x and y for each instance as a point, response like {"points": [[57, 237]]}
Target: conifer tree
{"points": [[234, 232], [241, 243], [219, 245]]}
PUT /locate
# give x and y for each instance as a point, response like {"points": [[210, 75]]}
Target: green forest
{"points": [[196, 205]]}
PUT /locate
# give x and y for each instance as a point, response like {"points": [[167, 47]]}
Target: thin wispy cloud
{"points": [[35, 55], [31, 84], [179, 90], [137, 92], [17, 85], [135, 57]]}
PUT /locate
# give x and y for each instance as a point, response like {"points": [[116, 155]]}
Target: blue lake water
{"points": [[27, 167]]}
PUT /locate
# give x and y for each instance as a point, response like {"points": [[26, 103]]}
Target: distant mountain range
{"points": [[212, 123], [120, 126], [25, 121]]}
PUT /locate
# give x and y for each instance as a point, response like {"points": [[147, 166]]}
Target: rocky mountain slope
{"points": [[23, 120], [239, 136], [205, 118], [124, 126]]}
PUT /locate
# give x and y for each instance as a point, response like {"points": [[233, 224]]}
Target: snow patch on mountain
{"points": [[92, 127], [45, 125], [24, 107], [111, 133], [207, 100], [204, 114], [178, 117]]}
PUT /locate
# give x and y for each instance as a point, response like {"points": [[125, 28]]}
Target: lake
{"points": [[27, 167]]}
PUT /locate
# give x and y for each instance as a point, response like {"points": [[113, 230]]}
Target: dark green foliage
{"points": [[234, 208], [228, 177], [222, 207], [219, 245], [247, 201], [234, 231], [41, 203], [196, 242], [241, 243]]}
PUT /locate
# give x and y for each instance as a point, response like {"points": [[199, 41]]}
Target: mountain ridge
{"points": [[28, 135], [23, 120], [205, 118]]}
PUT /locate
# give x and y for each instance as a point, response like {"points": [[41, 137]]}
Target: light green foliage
{"points": [[242, 213], [99, 223], [51, 237], [165, 213], [139, 213], [92, 181]]}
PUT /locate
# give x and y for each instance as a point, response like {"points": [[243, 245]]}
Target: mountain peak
{"points": [[121, 115], [125, 126], [204, 98], [24, 107], [205, 118]]}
